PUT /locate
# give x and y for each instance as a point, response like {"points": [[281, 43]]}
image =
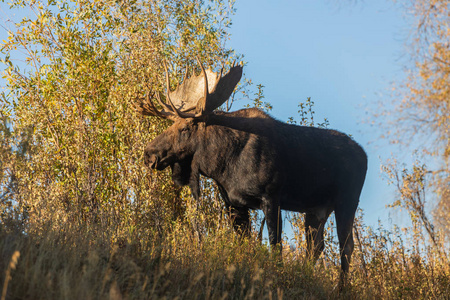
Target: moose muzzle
{"points": [[151, 160]]}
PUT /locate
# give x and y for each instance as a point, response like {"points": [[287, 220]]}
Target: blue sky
{"points": [[344, 57]]}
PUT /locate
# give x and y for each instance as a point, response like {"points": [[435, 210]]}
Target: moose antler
{"points": [[195, 97]]}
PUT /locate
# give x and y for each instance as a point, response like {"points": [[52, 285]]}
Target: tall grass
{"points": [[96, 263]]}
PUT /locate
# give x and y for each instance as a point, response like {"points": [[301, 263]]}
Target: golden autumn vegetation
{"points": [[423, 103], [83, 218]]}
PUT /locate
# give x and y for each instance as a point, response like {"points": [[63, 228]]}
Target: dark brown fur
{"points": [[261, 163]]}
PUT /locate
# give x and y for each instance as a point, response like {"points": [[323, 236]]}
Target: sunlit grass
{"points": [[77, 263]]}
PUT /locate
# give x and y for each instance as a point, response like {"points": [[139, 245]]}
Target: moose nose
{"points": [[151, 160]]}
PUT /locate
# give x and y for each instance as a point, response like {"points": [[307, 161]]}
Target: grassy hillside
{"points": [[95, 263]]}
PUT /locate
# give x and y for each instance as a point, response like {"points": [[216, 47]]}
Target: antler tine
{"points": [[174, 109], [146, 107], [186, 73], [221, 70], [167, 77], [203, 104], [151, 107], [158, 97]]}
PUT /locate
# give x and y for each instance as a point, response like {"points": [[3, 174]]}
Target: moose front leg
{"points": [[194, 184], [314, 230], [274, 223], [240, 217]]}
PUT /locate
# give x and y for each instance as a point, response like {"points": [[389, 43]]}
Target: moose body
{"points": [[261, 163]]}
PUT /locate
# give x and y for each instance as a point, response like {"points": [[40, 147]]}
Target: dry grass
{"points": [[83, 263]]}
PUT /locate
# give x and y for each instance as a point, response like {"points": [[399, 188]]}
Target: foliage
{"points": [[72, 147], [306, 113], [411, 186], [422, 108], [258, 100]]}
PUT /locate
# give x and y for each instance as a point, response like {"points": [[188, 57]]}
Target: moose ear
{"points": [[222, 89]]}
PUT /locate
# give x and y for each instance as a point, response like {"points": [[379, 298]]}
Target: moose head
{"points": [[188, 106]]}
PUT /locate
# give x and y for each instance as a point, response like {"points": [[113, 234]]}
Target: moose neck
{"points": [[221, 133]]}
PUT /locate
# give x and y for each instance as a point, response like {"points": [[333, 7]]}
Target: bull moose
{"points": [[257, 162]]}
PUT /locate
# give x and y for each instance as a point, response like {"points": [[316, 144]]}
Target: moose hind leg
{"points": [[274, 224], [314, 230], [344, 224]]}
